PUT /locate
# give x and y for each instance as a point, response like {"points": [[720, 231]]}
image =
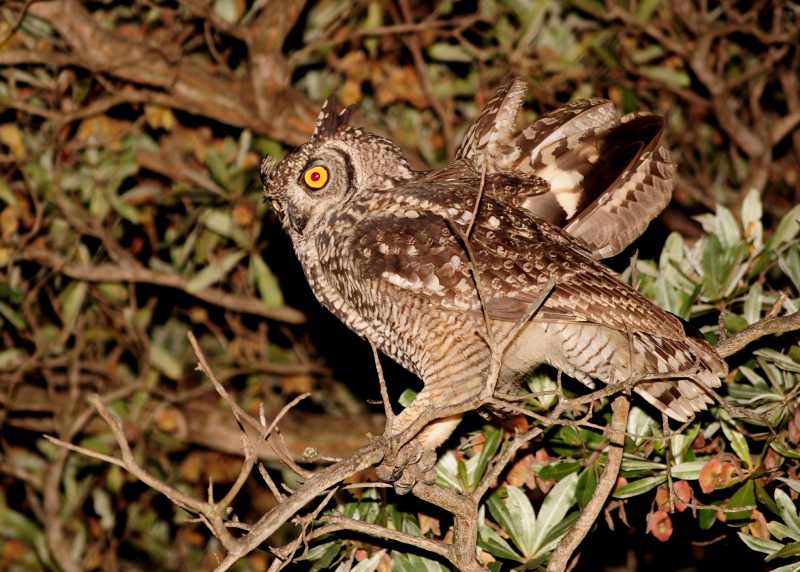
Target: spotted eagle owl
{"points": [[382, 246]]}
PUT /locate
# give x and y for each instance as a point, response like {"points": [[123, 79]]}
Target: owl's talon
{"points": [[410, 464]]}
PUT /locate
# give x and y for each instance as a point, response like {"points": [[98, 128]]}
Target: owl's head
{"points": [[333, 166]]}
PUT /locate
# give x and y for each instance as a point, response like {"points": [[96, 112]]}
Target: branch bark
{"points": [[770, 326]]}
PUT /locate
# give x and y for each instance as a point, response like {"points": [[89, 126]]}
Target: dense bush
{"points": [[130, 215]]}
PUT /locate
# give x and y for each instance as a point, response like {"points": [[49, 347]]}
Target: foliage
{"points": [[131, 214]]}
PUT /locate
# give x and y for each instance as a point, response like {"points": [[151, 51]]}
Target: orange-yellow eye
{"points": [[316, 177]]}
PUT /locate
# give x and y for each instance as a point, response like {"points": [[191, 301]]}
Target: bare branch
{"points": [[770, 326]]}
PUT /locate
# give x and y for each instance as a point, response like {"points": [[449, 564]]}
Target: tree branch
{"points": [[770, 326]]}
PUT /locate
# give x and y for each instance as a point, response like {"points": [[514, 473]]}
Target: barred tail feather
{"points": [[680, 398]]}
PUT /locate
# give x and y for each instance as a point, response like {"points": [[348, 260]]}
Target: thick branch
{"points": [[319, 483], [720, 97]]}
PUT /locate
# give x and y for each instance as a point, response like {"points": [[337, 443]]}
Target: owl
{"points": [[383, 248]]}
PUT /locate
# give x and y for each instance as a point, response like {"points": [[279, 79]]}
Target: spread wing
{"points": [[600, 177]]}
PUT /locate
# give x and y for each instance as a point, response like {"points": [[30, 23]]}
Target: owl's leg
{"points": [[420, 428], [413, 459]]}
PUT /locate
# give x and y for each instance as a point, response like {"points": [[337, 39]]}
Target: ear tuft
{"points": [[331, 118], [266, 168]]}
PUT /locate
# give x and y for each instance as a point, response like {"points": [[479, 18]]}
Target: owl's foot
{"points": [[408, 465]]}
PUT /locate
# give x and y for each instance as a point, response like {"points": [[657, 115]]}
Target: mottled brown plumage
{"points": [[378, 247]]}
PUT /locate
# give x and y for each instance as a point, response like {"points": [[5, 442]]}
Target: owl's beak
{"points": [[296, 219]]}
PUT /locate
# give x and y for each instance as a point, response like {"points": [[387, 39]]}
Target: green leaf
{"points": [[512, 510], [10, 314], [554, 508], [449, 53], [633, 466], [765, 500], [163, 360], [587, 483], [738, 443], [266, 282], [713, 264], [214, 272], [790, 264], [787, 510], [745, 496], [688, 470], [787, 229], [322, 555], [370, 564], [408, 562], [787, 551], [734, 323], [781, 532], [706, 518], [476, 466], [666, 75], [781, 360], [781, 448], [72, 299], [794, 484], [752, 211], [752, 304], [753, 377], [554, 536], [222, 223], [447, 471], [496, 545], [11, 358], [559, 470], [101, 503], [646, 9], [545, 390], [641, 425], [727, 228], [407, 397], [760, 544], [638, 487]]}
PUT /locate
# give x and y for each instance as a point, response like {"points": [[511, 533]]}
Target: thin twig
{"points": [[16, 24], [244, 418], [770, 326], [387, 406]]}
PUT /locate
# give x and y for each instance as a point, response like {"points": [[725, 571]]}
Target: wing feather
{"points": [[601, 177], [411, 245]]}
